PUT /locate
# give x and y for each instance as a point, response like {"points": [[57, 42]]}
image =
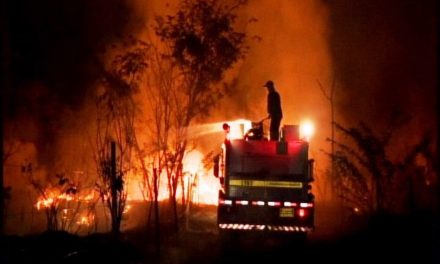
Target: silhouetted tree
{"points": [[115, 137], [198, 44], [330, 97], [186, 65], [9, 148], [369, 180]]}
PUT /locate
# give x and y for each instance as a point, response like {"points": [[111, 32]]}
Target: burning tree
{"points": [[198, 44]]}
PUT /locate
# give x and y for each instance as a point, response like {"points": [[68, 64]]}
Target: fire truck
{"points": [[265, 185]]}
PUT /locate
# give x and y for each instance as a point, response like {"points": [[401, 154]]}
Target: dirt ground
{"points": [[386, 239]]}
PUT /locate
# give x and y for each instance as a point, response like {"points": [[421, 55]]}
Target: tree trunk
{"points": [[156, 210], [114, 192], [174, 202]]}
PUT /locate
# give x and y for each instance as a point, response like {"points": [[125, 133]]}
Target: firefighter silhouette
{"points": [[274, 110]]}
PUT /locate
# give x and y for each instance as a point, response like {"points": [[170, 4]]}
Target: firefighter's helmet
{"points": [[268, 84]]}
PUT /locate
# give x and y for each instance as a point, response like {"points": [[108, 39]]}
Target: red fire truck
{"points": [[265, 185]]}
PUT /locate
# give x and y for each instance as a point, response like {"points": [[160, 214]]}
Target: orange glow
{"points": [[44, 203], [307, 129], [201, 183], [66, 197], [68, 206], [204, 185], [208, 190], [238, 128], [126, 208], [86, 220], [192, 162]]}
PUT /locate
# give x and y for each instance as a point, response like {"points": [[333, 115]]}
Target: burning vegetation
{"points": [[146, 98]]}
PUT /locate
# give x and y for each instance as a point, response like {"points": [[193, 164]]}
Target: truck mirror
{"points": [[216, 169], [216, 166]]}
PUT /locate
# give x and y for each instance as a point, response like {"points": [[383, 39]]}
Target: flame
{"points": [[44, 203], [86, 220], [201, 187], [201, 184], [126, 208], [64, 196], [205, 185], [208, 190], [53, 198], [89, 197]]}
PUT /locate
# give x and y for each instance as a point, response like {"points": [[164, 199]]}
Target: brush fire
{"points": [[75, 211], [69, 205]]}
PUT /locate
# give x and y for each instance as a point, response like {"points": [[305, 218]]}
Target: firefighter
{"points": [[274, 110]]}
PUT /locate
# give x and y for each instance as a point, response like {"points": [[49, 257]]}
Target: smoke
{"points": [[289, 45], [53, 47], [292, 49], [385, 58], [381, 54], [292, 52]]}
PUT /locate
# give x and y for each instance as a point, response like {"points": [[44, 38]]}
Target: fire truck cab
{"points": [[265, 185]]}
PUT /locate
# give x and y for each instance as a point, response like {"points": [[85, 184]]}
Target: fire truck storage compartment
{"points": [[290, 132], [261, 159]]}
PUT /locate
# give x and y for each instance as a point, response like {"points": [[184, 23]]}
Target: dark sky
{"points": [[50, 51], [385, 56], [54, 42]]}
